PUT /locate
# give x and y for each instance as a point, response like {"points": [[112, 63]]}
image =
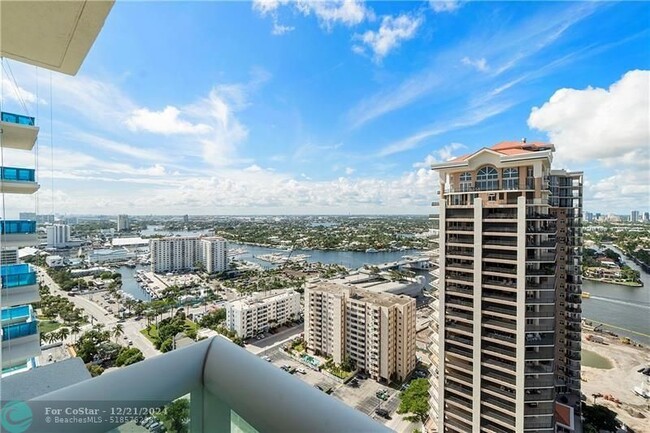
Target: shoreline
{"points": [[618, 283], [281, 248]]}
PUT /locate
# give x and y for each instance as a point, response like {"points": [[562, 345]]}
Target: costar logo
{"points": [[16, 417]]}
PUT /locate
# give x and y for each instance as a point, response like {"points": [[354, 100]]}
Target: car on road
{"points": [[266, 358], [382, 413], [130, 343], [302, 371]]}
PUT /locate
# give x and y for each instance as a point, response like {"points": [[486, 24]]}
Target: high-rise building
{"points": [[634, 216], [27, 216], [509, 292], [376, 331], [123, 223], [589, 216], [58, 235], [646, 216], [214, 254], [187, 253], [250, 316], [18, 282], [186, 218]]}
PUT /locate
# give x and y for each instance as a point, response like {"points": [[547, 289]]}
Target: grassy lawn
{"points": [[46, 326], [338, 371], [152, 335]]}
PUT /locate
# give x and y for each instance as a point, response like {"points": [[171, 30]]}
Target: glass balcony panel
{"points": [[17, 227], [17, 118], [17, 275], [24, 311], [18, 330], [18, 174]]}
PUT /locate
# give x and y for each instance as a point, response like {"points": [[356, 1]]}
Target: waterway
{"points": [[621, 306], [349, 259], [130, 285]]}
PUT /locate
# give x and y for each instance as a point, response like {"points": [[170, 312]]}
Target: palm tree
{"points": [[98, 326], [52, 337], [118, 331], [63, 333], [75, 329]]}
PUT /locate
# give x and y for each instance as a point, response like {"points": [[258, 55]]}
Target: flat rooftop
{"points": [[377, 298]]}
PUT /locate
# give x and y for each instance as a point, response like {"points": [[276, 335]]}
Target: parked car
{"points": [[382, 413], [302, 371]]}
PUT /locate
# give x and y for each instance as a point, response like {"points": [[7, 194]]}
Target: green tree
{"points": [[598, 417], [118, 331], [176, 415], [63, 333], [95, 370], [75, 329], [415, 400], [128, 356]]}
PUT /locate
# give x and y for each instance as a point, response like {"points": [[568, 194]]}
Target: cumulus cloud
{"points": [[478, 64], [610, 125], [279, 29], [165, 122], [391, 33], [329, 13], [267, 6], [444, 5], [349, 170]]}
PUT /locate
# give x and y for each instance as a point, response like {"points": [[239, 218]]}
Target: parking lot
{"points": [[361, 397]]}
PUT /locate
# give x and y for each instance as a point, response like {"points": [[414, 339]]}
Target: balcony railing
{"points": [[11, 227], [17, 174], [16, 313], [17, 275], [500, 270], [17, 118], [224, 384], [19, 330]]}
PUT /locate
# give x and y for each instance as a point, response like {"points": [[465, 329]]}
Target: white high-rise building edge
{"points": [[255, 314], [376, 331], [188, 253], [58, 235], [123, 223], [507, 351]]}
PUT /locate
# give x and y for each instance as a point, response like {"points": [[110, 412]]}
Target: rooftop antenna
{"points": [[523, 140]]}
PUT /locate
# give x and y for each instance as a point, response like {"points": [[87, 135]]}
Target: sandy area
{"points": [[618, 381]]}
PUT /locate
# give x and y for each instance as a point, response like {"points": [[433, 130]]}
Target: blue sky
{"points": [[333, 107]]}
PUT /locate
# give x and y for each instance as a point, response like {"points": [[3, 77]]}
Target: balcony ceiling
{"points": [[55, 35]]}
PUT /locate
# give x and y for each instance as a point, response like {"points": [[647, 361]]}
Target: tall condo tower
{"points": [[508, 307]]}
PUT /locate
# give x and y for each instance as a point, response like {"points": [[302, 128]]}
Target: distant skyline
{"points": [[278, 107]]}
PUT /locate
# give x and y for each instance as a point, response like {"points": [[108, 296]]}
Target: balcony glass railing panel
{"points": [[23, 311], [18, 330], [17, 275], [12, 227], [17, 118], [18, 174]]}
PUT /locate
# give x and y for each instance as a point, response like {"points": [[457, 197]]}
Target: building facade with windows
{"points": [[258, 313], [376, 331], [123, 223], [58, 235], [188, 253], [508, 307]]}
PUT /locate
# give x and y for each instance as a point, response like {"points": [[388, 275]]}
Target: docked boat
{"points": [[372, 250], [585, 295]]}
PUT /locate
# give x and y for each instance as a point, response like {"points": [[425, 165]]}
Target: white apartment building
{"points": [[374, 330], [123, 223], [249, 316], [187, 253], [58, 235], [215, 254]]}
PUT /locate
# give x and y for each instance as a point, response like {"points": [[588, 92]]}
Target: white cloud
{"points": [[279, 29], [478, 64], [473, 117], [610, 125], [329, 13], [267, 6], [349, 170], [16, 93], [164, 122], [392, 32], [444, 5], [625, 190]]}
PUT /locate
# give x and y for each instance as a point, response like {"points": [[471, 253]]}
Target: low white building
{"points": [[54, 261], [108, 256], [249, 316]]}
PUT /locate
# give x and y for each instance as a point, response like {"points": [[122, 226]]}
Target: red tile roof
{"points": [[511, 148]]}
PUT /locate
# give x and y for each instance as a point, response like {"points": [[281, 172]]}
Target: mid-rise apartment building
{"points": [[508, 303], [123, 223], [187, 253], [374, 330], [58, 235], [257, 313]]}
